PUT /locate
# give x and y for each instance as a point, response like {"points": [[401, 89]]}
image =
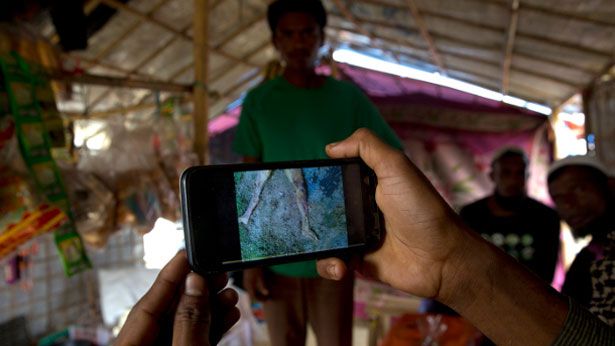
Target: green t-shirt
{"points": [[280, 122]]}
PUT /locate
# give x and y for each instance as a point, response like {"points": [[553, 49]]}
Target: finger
{"points": [[228, 298], [225, 315], [142, 325], [365, 144], [261, 286], [331, 268], [193, 316], [217, 282], [229, 319]]}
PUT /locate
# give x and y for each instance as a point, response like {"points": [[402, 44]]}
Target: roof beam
{"points": [[129, 31], [142, 64], [146, 106], [423, 29], [528, 94], [175, 75], [556, 13], [479, 60], [103, 114], [607, 67], [116, 42], [241, 30], [562, 44], [122, 7], [509, 43], [503, 3], [486, 77], [471, 44], [119, 82], [233, 65], [107, 66], [160, 50], [127, 9], [90, 6], [149, 58], [215, 4], [215, 78], [241, 84], [351, 18], [542, 39]]}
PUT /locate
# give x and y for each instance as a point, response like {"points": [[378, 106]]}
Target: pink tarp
{"points": [[451, 136]]}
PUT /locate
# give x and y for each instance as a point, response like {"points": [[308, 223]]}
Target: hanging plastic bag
{"points": [[93, 206]]}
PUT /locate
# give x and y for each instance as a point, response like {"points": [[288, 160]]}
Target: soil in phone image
{"points": [[290, 211]]}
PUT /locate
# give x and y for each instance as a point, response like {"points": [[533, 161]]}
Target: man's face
{"points": [[298, 38], [509, 174], [578, 198]]}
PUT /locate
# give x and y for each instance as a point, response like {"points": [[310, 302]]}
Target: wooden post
{"points": [[509, 44], [201, 78]]}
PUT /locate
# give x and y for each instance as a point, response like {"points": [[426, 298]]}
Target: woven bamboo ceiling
{"points": [[543, 51]]}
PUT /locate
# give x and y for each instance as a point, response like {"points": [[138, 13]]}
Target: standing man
{"points": [[293, 117], [579, 186], [521, 226]]}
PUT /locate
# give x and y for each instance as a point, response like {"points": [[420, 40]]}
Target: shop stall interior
{"points": [[104, 103]]}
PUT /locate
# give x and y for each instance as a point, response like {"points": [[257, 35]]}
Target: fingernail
{"points": [[193, 288], [331, 145], [333, 271]]}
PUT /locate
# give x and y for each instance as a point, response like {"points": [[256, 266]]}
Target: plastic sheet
{"points": [[139, 163], [93, 206]]}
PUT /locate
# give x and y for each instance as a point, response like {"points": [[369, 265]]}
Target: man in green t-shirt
{"points": [[293, 117]]}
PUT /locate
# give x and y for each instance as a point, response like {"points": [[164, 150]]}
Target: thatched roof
{"points": [[539, 50]]}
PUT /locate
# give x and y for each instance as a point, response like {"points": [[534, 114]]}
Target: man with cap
{"points": [[521, 226], [293, 117], [579, 186]]}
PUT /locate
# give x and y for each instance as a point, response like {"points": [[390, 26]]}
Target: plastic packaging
{"points": [[93, 206]]}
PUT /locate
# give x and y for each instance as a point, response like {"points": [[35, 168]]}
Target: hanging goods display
{"points": [[24, 82]]}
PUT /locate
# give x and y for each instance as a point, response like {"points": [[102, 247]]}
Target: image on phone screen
{"points": [[284, 212]]}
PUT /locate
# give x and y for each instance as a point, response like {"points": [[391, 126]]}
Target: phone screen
{"points": [[237, 215], [284, 212]]}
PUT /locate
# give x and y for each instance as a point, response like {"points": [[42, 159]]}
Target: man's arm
{"points": [[428, 251], [369, 117]]}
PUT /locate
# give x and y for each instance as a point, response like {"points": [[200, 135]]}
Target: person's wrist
{"points": [[460, 286]]}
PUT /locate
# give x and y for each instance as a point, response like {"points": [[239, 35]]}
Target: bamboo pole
{"points": [[433, 50], [509, 44], [120, 82], [201, 78]]}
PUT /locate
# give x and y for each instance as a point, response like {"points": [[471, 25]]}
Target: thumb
{"points": [[261, 286], [193, 316]]}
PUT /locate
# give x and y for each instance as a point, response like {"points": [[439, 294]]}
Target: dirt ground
{"points": [[275, 225]]}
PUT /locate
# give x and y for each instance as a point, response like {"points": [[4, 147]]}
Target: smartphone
{"points": [[249, 215]]}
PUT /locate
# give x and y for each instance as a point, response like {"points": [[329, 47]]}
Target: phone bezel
{"points": [[203, 258]]}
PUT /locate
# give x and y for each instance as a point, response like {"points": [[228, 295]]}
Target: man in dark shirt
{"points": [[521, 226]]}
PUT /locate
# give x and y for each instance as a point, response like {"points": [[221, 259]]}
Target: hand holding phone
{"points": [[249, 215]]}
